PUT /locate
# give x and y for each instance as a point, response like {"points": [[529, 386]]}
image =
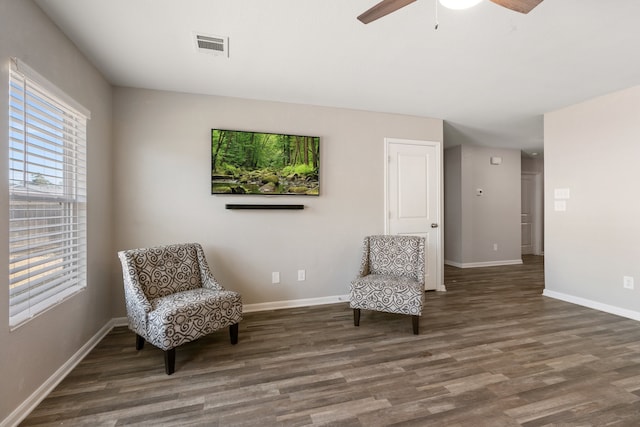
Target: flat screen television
{"points": [[264, 163]]}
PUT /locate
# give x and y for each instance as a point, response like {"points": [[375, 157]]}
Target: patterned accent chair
{"points": [[391, 277], [172, 298]]}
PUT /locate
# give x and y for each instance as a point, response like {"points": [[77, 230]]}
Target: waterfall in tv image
{"points": [[264, 163]]}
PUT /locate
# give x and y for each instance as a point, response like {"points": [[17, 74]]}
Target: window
{"points": [[47, 195]]}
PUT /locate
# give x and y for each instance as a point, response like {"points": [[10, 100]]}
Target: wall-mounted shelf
{"points": [[264, 206]]}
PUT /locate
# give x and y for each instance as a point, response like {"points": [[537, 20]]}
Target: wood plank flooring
{"points": [[492, 351]]}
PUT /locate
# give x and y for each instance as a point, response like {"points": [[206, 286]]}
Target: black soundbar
{"points": [[236, 206]]}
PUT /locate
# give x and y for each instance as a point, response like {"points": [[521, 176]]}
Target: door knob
{"points": [[434, 225]]}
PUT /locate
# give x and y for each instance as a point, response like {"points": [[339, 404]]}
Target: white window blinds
{"points": [[47, 195]]}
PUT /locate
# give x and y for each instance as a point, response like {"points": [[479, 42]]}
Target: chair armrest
{"points": [[206, 277], [364, 261], [137, 304], [138, 309], [420, 271], [210, 282]]}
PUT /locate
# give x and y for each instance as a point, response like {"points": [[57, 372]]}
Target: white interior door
{"points": [[413, 199]]}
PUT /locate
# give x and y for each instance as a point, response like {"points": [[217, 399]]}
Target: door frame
{"points": [[440, 287], [528, 197], [538, 213]]}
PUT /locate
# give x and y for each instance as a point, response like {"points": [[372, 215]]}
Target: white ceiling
{"points": [[490, 73]]}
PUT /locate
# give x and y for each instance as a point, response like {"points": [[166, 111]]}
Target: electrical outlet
{"points": [[302, 275], [275, 277], [627, 282], [495, 246]]}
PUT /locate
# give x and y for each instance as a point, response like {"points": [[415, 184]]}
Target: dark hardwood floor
{"points": [[492, 351]]}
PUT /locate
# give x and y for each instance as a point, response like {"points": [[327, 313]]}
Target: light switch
{"points": [[561, 194], [560, 205]]}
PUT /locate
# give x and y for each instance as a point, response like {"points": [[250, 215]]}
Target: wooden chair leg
{"points": [[233, 333], [416, 324], [170, 361], [356, 317], [139, 342]]}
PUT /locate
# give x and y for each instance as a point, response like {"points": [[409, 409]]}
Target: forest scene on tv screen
{"points": [[264, 163]]}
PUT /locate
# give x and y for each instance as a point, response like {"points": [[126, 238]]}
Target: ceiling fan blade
{"points": [[383, 8], [522, 6]]}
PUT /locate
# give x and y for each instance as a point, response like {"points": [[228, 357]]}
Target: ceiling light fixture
{"points": [[459, 4]]}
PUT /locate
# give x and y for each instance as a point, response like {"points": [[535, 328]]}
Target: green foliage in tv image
{"points": [[264, 163]]}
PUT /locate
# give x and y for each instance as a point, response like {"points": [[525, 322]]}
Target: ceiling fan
{"points": [[386, 7]]}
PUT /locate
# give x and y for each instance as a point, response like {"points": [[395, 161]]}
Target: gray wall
{"points": [[32, 353], [162, 182], [453, 204], [592, 149], [482, 221]]}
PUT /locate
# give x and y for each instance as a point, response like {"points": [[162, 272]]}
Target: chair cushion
{"points": [[383, 292], [167, 270], [185, 316]]}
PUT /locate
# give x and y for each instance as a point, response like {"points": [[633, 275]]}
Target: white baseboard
{"points": [[25, 408], [483, 264], [276, 305], [119, 321], [611, 309]]}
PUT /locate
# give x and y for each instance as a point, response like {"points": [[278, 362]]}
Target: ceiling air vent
{"points": [[213, 45]]}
